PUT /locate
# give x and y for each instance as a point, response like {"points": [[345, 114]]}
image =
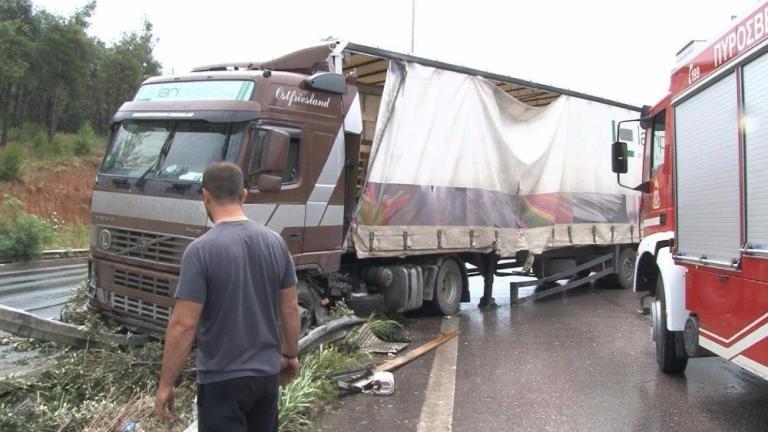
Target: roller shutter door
{"points": [[706, 131]]}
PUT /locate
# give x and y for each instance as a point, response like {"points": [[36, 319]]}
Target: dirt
{"points": [[59, 192]]}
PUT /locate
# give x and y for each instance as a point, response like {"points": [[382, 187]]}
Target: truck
{"points": [[704, 214], [386, 175]]}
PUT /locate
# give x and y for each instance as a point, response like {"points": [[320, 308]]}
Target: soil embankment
{"points": [[60, 193]]}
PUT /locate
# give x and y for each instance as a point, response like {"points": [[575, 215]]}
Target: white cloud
{"points": [[619, 49]]}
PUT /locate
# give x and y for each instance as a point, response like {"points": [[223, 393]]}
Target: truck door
{"points": [[283, 211], [657, 200]]}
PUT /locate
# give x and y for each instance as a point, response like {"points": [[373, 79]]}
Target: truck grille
{"points": [[141, 282], [160, 248], [141, 308]]}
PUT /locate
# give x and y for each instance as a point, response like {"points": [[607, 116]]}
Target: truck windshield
{"points": [[174, 150]]}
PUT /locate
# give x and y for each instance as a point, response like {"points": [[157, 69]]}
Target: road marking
{"points": [[437, 411]]}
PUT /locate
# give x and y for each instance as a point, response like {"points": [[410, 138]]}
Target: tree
{"points": [[15, 42], [53, 73], [62, 59]]}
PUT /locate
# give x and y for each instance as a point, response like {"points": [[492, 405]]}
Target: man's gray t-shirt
{"points": [[236, 271]]}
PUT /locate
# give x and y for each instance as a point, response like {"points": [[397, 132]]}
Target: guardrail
{"points": [[55, 254]]}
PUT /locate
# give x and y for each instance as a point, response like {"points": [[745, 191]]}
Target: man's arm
{"points": [[289, 332], [179, 337]]}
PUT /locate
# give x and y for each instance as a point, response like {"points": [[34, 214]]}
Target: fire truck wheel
{"points": [[448, 288], [309, 304], [670, 349]]}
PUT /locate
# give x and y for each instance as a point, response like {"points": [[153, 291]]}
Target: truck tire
{"points": [[309, 305], [448, 288], [625, 276], [670, 348]]}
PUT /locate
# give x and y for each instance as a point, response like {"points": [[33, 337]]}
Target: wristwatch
{"points": [[290, 357]]}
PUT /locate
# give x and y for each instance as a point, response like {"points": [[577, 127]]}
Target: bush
{"points": [[85, 140], [32, 133], [22, 235], [39, 140], [11, 160]]}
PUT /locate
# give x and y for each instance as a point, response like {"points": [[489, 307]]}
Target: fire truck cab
{"points": [[704, 212]]}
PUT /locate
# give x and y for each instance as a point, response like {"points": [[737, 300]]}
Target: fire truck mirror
{"points": [[619, 152]]}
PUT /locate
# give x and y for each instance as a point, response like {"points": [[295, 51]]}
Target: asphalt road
{"points": [[581, 361], [42, 291]]}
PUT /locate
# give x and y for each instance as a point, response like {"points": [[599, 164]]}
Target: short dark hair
{"points": [[224, 182]]}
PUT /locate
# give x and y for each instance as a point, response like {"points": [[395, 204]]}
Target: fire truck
{"points": [[703, 257]]}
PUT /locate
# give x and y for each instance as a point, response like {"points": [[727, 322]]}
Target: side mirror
{"points": [[619, 157], [273, 161], [276, 152], [269, 183]]}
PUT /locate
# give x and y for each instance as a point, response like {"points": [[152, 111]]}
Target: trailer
{"points": [[385, 174], [704, 215]]}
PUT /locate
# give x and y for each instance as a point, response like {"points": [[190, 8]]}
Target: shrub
{"points": [[22, 235], [11, 160], [39, 140], [32, 133], [85, 139]]}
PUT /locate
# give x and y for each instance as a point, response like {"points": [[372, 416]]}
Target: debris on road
{"points": [[25, 324], [416, 353], [330, 332], [369, 342]]}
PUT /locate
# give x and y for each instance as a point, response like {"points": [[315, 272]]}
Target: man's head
{"points": [[223, 185]]}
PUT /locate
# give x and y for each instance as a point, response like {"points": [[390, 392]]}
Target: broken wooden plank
{"points": [[416, 352], [25, 324]]}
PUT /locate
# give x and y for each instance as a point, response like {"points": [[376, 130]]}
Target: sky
{"points": [[617, 49]]}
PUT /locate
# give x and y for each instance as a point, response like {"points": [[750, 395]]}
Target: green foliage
{"points": [[337, 310], [87, 385], [39, 140], [301, 400], [383, 328], [75, 236], [85, 140], [22, 235], [29, 133], [11, 161], [54, 74]]}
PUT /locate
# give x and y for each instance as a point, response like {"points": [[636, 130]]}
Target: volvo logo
{"points": [[106, 239], [141, 246]]}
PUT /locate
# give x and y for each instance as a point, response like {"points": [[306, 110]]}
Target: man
{"points": [[237, 280]]}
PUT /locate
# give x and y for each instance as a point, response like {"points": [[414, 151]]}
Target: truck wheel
{"points": [[625, 275], [670, 349], [309, 304], [448, 287]]}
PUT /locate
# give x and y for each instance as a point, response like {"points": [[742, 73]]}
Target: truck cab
{"points": [[284, 129]]}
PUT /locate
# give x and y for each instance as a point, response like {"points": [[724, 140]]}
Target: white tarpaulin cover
{"points": [[457, 164]]}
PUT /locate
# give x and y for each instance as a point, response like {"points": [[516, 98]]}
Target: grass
{"points": [[74, 236], [305, 397], [37, 153], [110, 388], [87, 386]]}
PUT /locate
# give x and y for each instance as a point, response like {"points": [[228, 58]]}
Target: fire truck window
{"points": [[657, 145]]}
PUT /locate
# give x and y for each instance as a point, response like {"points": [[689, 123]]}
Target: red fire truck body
{"points": [[704, 253]]}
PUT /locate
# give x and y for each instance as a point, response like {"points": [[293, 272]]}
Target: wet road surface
{"points": [[42, 291], [581, 361]]}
